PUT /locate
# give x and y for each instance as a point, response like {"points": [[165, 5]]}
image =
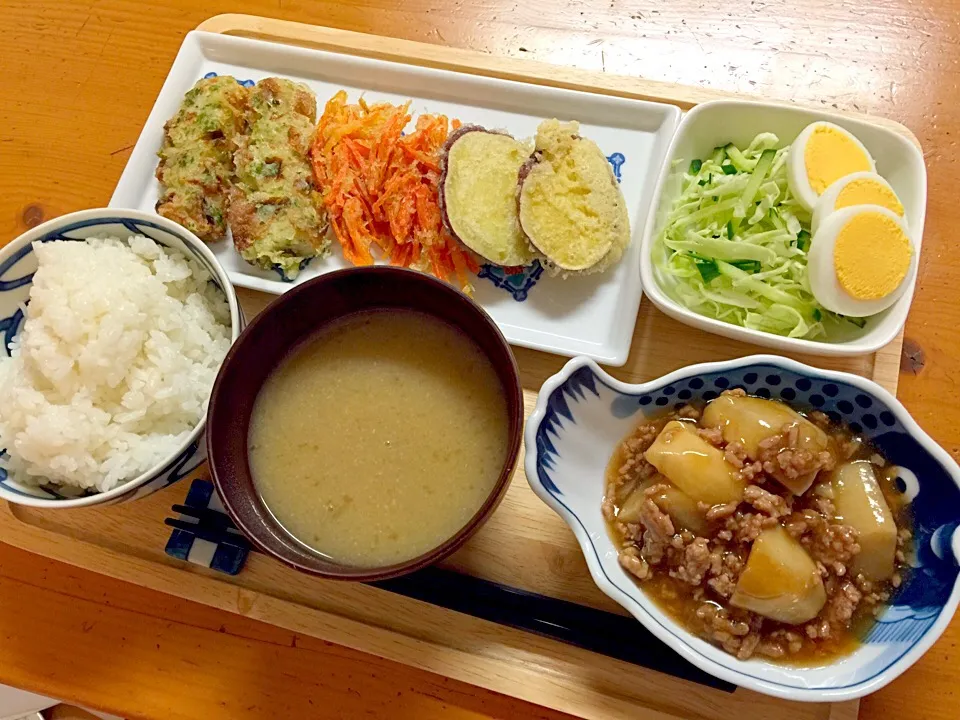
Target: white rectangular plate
{"points": [[591, 315]]}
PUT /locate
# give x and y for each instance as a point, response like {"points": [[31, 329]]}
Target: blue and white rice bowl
{"points": [[582, 414], [18, 263]]}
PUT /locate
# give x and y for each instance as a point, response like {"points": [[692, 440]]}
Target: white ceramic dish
{"points": [[717, 123], [593, 315], [582, 413], [17, 266]]}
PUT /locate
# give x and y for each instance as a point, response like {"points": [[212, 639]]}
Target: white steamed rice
{"points": [[114, 365]]}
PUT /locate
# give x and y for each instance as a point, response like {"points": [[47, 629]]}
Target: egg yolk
{"points": [[871, 256], [868, 192], [831, 155]]}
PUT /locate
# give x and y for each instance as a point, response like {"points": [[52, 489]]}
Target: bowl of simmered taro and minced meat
{"points": [[787, 528], [763, 530]]}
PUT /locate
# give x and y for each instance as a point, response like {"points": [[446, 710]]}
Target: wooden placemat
{"points": [[524, 545]]}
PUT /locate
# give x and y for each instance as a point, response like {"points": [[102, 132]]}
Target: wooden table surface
{"points": [[79, 78]]}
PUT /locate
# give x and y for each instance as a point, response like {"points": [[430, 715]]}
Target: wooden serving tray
{"points": [[524, 545]]}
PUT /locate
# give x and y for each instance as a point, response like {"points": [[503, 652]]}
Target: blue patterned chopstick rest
{"points": [[222, 556]]}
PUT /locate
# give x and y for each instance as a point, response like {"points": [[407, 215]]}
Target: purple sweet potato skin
{"points": [[525, 170], [444, 167], [524, 175], [536, 157]]}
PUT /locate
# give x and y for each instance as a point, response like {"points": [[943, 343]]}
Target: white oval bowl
{"points": [[17, 266], [582, 414], [711, 124]]}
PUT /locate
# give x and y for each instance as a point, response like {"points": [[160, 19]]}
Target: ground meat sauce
{"points": [[691, 569]]}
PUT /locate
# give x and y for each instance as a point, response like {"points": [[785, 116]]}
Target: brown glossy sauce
{"points": [[674, 599]]}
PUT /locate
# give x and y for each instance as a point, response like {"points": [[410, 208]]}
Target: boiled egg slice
{"points": [[860, 188], [822, 154], [861, 260]]}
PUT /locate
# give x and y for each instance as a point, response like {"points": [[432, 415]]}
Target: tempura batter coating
{"points": [[196, 167], [273, 205]]}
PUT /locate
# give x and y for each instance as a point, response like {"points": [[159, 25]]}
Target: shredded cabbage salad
{"points": [[734, 246]]}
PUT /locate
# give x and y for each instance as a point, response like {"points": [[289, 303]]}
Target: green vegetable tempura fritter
{"points": [[274, 205], [196, 157]]}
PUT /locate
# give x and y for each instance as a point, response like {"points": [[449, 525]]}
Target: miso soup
{"points": [[376, 440]]}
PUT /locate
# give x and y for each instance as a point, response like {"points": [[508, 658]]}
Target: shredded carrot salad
{"points": [[381, 187]]}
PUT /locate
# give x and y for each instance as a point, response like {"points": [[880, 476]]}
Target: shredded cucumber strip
{"points": [[720, 249]]}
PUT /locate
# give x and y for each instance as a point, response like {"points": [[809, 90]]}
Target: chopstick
{"points": [[206, 516], [212, 526], [582, 626], [218, 537]]}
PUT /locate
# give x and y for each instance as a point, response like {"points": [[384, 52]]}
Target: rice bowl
{"points": [[107, 378], [141, 382]]}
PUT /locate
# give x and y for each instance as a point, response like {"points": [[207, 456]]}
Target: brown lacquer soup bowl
{"points": [[293, 318]]}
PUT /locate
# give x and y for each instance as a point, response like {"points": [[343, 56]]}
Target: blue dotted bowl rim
{"points": [[83, 219], [635, 601]]}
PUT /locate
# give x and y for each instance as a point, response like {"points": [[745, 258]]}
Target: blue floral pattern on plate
{"points": [[518, 283], [245, 83], [616, 161], [583, 407]]}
